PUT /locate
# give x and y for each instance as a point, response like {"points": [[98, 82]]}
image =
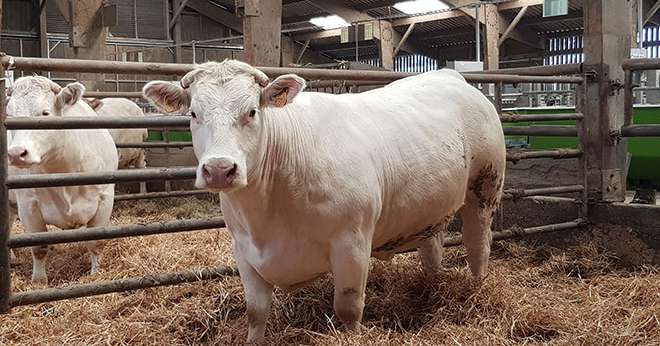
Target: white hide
{"points": [[325, 181], [128, 157], [60, 151]]}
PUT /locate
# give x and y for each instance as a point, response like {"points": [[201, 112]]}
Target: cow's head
{"points": [[226, 102], [37, 96]]}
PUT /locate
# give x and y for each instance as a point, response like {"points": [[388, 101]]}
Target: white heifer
{"points": [[64, 151], [322, 183], [128, 157]]}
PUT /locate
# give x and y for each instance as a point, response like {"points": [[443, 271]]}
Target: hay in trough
{"points": [[534, 294]]}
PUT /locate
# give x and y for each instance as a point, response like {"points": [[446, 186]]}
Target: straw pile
{"points": [[533, 295]]}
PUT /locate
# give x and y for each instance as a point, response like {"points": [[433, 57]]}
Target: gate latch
{"points": [[615, 87]]}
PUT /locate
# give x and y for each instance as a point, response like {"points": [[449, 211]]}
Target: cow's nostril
{"points": [[232, 171], [24, 153], [205, 171]]}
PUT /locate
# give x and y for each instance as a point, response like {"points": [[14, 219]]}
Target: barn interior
{"points": [[576, 248]]}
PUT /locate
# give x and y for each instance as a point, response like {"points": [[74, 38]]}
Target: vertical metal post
{"points": [[20, 52], [640, 24], [477, 32], [194, 55], [5, 277], [582, 161], [498, 97], [48, 54], [627, 98]]}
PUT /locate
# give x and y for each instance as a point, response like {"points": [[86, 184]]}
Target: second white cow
{"points": [[128, 157], [312, 182], [63, 151]]}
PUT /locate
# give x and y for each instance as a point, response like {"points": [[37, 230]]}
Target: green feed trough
{"points": [[645, 164]]}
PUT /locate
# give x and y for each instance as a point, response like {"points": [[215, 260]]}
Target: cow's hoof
{"points": [[40, 280], [353, 327]]}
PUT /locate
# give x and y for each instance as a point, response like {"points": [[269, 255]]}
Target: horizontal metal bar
{"points": [[515, 232], [515, 156], [541, 130], [504, 78], [155, 145], [104, 66], [512, 118], [519, 232], [641, 64], [119, 285], [107, 94], [121, 176], [550, 70], [112, 232], [114, 122], [518, 193], [640, 131], [154, 195], [122, 285]]}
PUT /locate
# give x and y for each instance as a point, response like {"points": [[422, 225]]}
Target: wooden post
{"points": [[385, 42], [87, 37], [262, 22], [492, 36], [43, 34], [176, 34], [606, 45]]}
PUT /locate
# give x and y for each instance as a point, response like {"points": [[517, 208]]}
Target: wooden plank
{"points": [[262, 32], [512, 25], [606, 45], [405, 36], [386, 44], [491, 34]]}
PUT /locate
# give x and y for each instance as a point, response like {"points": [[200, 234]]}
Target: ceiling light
{"points": [[420, 6], [330, 22]]}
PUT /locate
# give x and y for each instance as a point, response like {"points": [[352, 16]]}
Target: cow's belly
{"points": [[66, 213], [78, 216], [286, 262]]}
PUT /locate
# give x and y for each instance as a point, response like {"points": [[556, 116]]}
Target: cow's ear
{"points": [[69, 95], [282, 90], [95, 103], [167, 96]]}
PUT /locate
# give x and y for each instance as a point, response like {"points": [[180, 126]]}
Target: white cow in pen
{"points": [[112, 107], [62, 151], [313, 182]]}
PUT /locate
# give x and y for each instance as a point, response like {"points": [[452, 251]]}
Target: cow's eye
{"points": [[45, 113], [193, 115], [253, 113]]}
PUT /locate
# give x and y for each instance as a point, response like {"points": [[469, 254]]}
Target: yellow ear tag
{"points": [[281, 99], [169, 109]]}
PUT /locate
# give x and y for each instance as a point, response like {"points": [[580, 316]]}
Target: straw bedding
{"points": [[534, 294]]}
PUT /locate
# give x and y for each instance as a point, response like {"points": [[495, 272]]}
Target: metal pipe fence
{"points": [[7, 299]]}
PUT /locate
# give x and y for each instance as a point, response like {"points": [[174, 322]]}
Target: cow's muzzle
{"points": [[219, 174]]}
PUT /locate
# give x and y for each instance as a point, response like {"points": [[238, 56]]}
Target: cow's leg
{"points": [[258, 295], [102, 218], [94, 255], [33, 222], [477, 237], [430, 253], [12, 220], [349, 261], [142, 163]]}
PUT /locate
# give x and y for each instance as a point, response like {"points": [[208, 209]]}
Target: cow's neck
{"points": [[282, 167], [67, 157]]}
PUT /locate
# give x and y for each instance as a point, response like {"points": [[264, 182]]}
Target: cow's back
{"points": [[125, 108], [412, 147]]}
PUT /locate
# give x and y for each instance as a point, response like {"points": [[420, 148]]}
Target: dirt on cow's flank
{"points": [[533, 295]]}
